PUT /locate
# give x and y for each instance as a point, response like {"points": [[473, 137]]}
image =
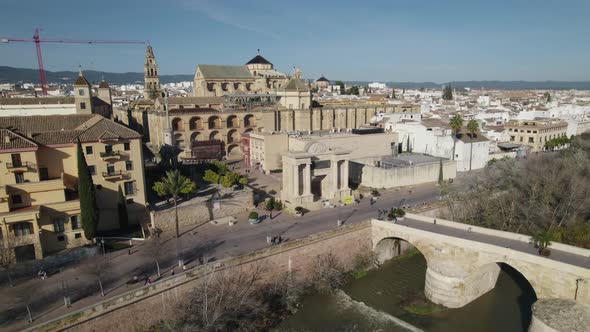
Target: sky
{"points": [[372, 40]]}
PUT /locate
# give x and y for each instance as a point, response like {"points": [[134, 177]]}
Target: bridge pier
{"points": [[450, 285]]}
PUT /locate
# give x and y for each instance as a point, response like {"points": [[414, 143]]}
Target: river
{"points": [[374, 303]]}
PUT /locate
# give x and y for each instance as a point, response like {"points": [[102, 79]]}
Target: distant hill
{"points": [[14, 75], [491, 85], [25, 75]]}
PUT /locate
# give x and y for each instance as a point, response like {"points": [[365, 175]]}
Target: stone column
{"points": [[335, 174], [307, 180], [344, 175], [296, 179]]}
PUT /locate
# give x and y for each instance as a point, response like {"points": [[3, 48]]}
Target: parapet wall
{"points": [[149, 304]]}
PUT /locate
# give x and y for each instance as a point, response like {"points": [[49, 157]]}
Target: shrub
{"points": [[400, 213], [298, 209], [375, 192], [253, 215], [278, 205]]}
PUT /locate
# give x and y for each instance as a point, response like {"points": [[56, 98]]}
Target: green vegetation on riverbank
{"points": [[418, 304]]}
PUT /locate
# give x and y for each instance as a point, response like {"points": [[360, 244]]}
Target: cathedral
{"points": [[231, 100]]}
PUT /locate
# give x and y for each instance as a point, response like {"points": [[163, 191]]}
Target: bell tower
{"points": [[151, 79]]}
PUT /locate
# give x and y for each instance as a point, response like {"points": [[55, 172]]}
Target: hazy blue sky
{"points": [[389, 40]]}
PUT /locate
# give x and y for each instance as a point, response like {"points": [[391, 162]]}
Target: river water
{"points": [[373, 303]]}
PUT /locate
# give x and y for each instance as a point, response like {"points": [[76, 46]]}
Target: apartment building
{"points": [[39, 205], [535, 133]]}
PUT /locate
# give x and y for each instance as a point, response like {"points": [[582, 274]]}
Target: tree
{"points": [[173, 185], [408, 147], [542, 240], [456, 124], [547, 97], [152, 249], [122, 211], [393, 94], [472, 127], [341, 85], [447, 92], [87, 195], [97, 267], [440, 172], [328, 272], [211, 176], [243, 181], [270, 205], [7, 254]]}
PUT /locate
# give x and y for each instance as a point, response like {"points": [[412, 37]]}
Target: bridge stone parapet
{"points": [[461, 269]]}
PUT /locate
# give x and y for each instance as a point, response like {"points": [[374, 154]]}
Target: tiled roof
{"points": [[81, 81], [295, 84], [103, 85], [259, 59], [224, 72], [477, 137], [195, 100], [37, 101], [322, 79], [12, 140], [65, 129]]}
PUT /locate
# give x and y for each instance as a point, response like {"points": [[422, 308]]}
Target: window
{"points": [[129, 165], [92, 169], [82, 106], [126, 146], [58, 224], [16, 162], [78, 235], [61, 238], [16, 199], [43, 173], [108, 148], [129, 188], [22, 229], [111, 169], [531, 140], [512, 138], [81, 92], [75, 222], [89, 149], [19, 177]]}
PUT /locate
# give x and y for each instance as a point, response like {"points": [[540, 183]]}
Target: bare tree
{"points": [[328, 272], [97, 267], [7, 254], [152, 249], [224, 300]]}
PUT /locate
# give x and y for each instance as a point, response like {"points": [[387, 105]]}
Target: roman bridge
{"points": [[463, 261]]}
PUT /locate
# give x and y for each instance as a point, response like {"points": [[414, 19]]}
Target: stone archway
{"points": [[177, 124], [234, 151], [215, 135], [232, 121], [195, 123], [390, 247], [214, 122], [249, 121], [233, 136], [197, 136]]}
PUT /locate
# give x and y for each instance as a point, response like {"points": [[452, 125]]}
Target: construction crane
{"points": [[38, 42]]}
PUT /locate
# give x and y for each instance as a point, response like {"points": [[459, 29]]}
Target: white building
{"points": [[434, 137], [378, 86]]}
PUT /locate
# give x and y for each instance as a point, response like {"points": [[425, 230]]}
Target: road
{"points": [[209, 242]]}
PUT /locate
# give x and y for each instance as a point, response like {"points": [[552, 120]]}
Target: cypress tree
{"points": [[87, 194], [122, 211], [440, 172]]}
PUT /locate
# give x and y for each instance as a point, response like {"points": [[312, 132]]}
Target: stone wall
{"points": [[377, 177], [197, 213], [149, 304]]}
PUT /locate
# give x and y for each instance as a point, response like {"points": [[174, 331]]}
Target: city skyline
{"points": [[398, 41]]}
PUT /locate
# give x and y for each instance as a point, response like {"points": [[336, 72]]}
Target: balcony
{"points": [[112, 155], [20, 166], [114, 176]]}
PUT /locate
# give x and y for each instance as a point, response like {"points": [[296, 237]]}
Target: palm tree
{"points": [[456, 125], [174, 184], [543, 240], [472, 127]]}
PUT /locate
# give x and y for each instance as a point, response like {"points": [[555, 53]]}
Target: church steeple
{"points": [[151, 79]]}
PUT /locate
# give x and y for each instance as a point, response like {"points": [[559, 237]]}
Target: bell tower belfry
{"points": [[151, 79]]}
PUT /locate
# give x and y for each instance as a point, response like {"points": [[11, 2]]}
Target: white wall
{"points": [[28, 110]]}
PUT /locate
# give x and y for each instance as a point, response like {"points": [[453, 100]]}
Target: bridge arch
{"points": [[391, 247]]}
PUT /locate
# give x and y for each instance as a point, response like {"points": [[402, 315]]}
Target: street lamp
{"points": [[103, 249]]}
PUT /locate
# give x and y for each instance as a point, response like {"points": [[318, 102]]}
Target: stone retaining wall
{"points": [[198, 213], [149, 304]]}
